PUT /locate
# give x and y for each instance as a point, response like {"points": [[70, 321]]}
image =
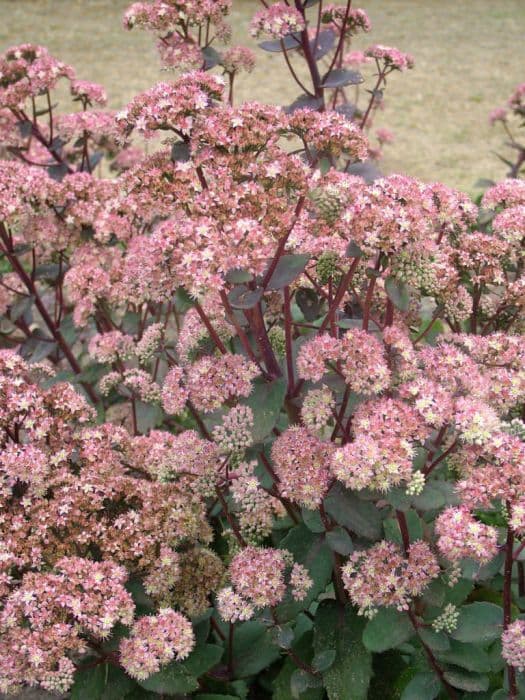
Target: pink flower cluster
{"points": [[44, 621], [462, 536], [278, 20], [392, 58], [171, 106], [381, 455], [27, 71], [301, 463], [256, 510], [154, 641], [356, 19], [258, 579], [513, 641], [212, 381], [382, 576], [358, 356]]}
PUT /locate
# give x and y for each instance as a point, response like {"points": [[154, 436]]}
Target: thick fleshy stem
{"points": [[240, 330], [341, 291], [231, 632], [53, 329], [438, 460], [507, 603], [256, 319], [431, 658], [310, 59], [405, 537], [403, 526], [231, 521], [282, 244], [211, 330], [288, 340], [275, 490]]}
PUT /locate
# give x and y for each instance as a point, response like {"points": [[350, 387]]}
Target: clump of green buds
{"points": [[448, 620], [326, 267], [277, 338], [327, 202], [515, 427], [416, 484]]}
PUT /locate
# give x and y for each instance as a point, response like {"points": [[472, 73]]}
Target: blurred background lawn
{"points": [[469, 56]]}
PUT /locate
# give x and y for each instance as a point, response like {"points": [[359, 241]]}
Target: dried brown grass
{"points": [[469, 56]]}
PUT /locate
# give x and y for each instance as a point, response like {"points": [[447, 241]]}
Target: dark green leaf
{"points": [[58, 172], [89, 683], [180, 151], [353, 250], [282, 685], [283, 637], [211, 57], [183, 300], [467, 656], [340, 77], [398, 293], [325, 43], [472, 570], [202, 658], [348, 110], [244, 298], [181, 677], [437, 641], [484, 183], [367, 170], [301, 681], [414, 524], [291, 41], [431, 498], [48, 272], [266, 401], [287, 269], [238, 276], [149, 416], [37, 347], [340, 541], [323, 660], [473, 682], [253, 649], [174, 679], [348, 676], [397, 497], [25, 128], [304, 102], [312, 520], [311, 551], [19, 308], [388, 629], [423, 686], [359, 516], [479, 623], [118, 684], [309, 303]]}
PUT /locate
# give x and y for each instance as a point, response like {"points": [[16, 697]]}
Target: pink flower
{"points": [[513, 639], [462, 536], [301, 462], [212, 381], [382, 576], [277, 21], [154, 641], [393, 58], [257, 575]]}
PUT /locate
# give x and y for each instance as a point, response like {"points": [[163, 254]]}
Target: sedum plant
{"points": [[261, 407]]}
